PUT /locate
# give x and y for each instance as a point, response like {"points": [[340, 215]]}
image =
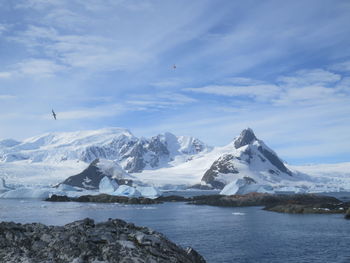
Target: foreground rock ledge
{"points": [[84, 241]]}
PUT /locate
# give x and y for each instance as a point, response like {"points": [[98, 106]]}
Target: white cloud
{"points": [[258, 92], [309, 77], [5, 75], [166, 83], [81, 51], [38, 67], [33, 67], [38, 4], [6, 97], [160, 100], [342, 67], [3, 28], [308, 95], [244, 81]]}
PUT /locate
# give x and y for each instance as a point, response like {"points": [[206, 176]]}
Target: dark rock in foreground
{"points": [[103, 198], [84, 241]]}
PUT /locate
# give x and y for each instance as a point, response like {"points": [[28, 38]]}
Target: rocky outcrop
{"points": [[91, 177], [103, 198], [246, 137], [298, 203], [223, 165], [86, 241]]}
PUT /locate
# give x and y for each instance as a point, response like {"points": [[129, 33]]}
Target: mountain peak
{"points": [[246, 137]]}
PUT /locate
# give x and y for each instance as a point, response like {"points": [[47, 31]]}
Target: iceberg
{"points": [[31, 193], [128, 191], [66, 187], [148, 191], [107, 185]]}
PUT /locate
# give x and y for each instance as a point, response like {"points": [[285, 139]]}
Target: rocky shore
{"points": [[103, 198], [295, 204], [86, 241]]}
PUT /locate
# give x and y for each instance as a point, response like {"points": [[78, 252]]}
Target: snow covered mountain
{"points": [[249, 158], [134, 154]]}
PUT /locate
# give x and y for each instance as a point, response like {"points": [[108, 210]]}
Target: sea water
{"points": [[220, 234]]}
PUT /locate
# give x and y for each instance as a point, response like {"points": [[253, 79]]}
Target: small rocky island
{"points": [[104, 198], [86, 241], [295, 203]]}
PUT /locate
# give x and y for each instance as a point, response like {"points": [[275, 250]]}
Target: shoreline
{"points": [[294, 204]]}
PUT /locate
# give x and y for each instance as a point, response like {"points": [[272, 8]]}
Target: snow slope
{"points": [[133, 154]]}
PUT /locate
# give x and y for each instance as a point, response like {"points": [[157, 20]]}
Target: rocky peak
{"points": [[246, 137]]}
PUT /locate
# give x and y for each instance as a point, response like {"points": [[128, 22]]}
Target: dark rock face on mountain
{"points": [[86, 241], [248, 152], [90, 178], [274, 160], [222, 165], [246, 137]]}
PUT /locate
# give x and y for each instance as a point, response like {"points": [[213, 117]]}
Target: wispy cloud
{"points": [[3, 28], [33, 67], [6, 97], [342, 66], [258, 92], [160, 100], [309, 77]]}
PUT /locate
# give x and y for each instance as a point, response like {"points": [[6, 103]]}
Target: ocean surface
{"points": [[219, 234]]}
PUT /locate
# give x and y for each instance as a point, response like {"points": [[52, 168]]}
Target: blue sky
{"points": [[279, 67]]}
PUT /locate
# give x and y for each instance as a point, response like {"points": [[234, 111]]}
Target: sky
{"points": [[281, 68]]}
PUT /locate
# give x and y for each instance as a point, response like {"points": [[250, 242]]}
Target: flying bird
{"points": [[174, 66], [54, 115]]}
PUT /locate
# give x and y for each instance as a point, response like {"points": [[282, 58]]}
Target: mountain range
{"points": [[165, 159]]}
